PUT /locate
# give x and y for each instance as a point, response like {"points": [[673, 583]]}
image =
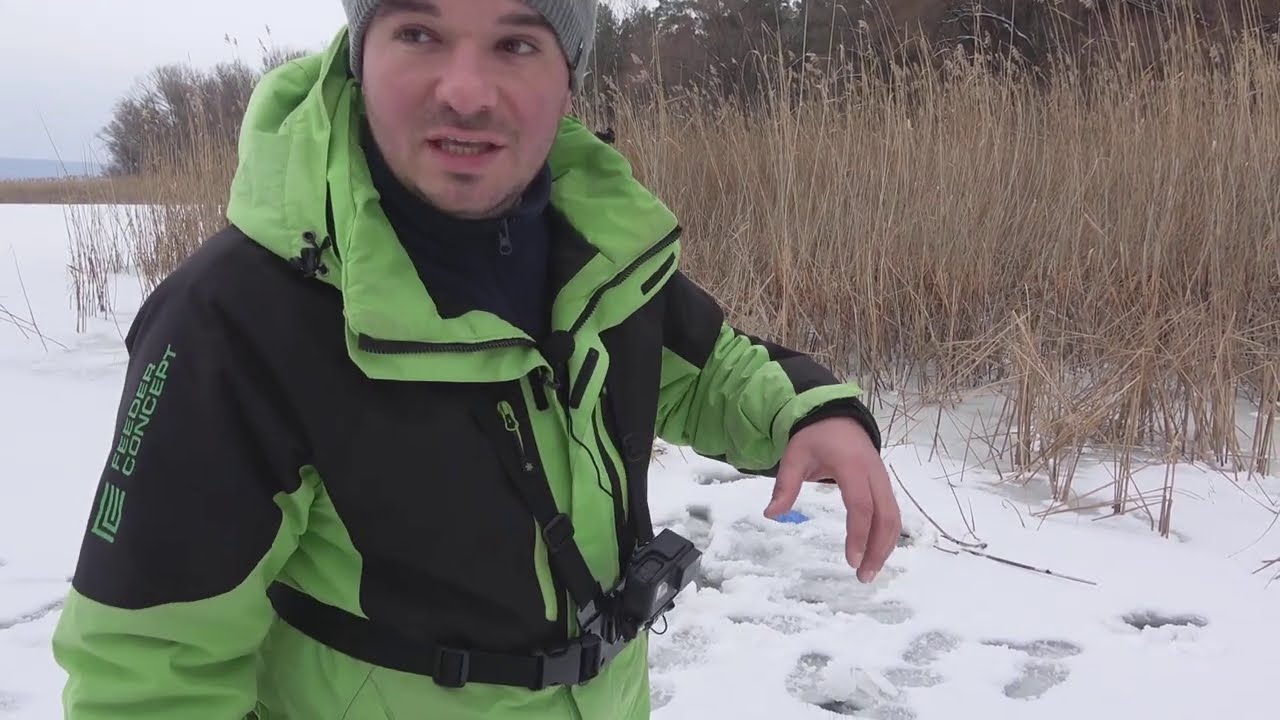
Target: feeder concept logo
{"points": [[124, 460]]}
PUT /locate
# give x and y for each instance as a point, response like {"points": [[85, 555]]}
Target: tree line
{"points": [[176, 106], [735, 48]]}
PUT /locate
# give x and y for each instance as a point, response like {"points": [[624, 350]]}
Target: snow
{"points": [[1133, 625]]}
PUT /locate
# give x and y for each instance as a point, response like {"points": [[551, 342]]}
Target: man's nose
{"points": [[467, 84]]}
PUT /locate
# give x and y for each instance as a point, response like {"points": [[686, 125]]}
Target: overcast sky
{"points": [[64, 63]]}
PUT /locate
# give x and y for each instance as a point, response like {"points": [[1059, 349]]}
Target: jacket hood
{"points": [[303, 177]]}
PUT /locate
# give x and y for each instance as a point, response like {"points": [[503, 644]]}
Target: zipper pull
{"points": [[504, 240], [557, 348], [512, 424], [540, 381]]}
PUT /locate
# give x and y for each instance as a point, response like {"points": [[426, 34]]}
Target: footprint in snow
{"points": [[1040, 673], [758, 545], [678, 649], [845, 595], [710, 576], [755, 547], [1040, 649], [1144, 619], [696, 526], [752, 544], [1035, 679], [719, 476], [817, 680], [913, 677], [660, 694], [920, 655], [746, 548], [784, 623], [927, 648], [32, 616]]}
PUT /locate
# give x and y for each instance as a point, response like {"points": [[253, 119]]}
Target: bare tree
{"points": [[175, 104]]}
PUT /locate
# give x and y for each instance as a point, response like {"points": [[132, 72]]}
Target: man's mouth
{"points": [[463, 148]]}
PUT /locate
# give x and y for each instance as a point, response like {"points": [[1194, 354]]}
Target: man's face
{"points": [[464, 97]]}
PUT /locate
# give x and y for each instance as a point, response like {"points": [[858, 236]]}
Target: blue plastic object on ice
{"points": [[792, 516]]}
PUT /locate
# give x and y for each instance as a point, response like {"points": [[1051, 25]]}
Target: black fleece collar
{"points": [[429, 221], [495, 264]]}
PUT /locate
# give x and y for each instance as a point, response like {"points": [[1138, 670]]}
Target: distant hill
{"points": [[29, 169]]}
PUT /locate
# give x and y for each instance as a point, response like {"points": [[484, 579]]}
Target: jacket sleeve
{"points": [[737, 398], [196, 510]]}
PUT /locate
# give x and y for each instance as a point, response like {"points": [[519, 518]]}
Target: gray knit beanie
{"points": [[574, 22]]}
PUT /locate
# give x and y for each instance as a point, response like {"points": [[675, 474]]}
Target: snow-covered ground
{"points": [[1133, 626]]}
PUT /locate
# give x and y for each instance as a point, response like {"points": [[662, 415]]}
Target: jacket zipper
{"points": [[622, 277], [619, 511], [512, 425], [411, 347], [504, 240], [406, 347], [507, 414]]}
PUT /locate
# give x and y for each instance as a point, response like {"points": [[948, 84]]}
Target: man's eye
{"points": [[519, 47], [414, 35]]}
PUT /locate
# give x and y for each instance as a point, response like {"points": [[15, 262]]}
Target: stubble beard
{"points": [[505, 204]]}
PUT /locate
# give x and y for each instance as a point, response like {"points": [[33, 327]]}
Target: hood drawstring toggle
{"points": [[308, 261]]}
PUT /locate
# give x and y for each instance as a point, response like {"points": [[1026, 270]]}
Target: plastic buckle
{"points": [[557, 666], [591, 616], [557, 533], [591, 660], [572, 664], [452, 667]]}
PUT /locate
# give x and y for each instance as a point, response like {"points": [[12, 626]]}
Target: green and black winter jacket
{"points": [[312, 468]]}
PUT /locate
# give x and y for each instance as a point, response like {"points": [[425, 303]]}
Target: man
{"points": [[383, 443]]}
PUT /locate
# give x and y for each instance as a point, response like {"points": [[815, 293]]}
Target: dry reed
{"points": [[73, 191], [1101, 250]]}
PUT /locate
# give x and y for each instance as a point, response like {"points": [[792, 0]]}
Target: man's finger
{"points": [[886, 524], [791, 477], [859, 509]]}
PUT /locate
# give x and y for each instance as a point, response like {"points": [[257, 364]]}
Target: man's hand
{"points": [[839, 449]]}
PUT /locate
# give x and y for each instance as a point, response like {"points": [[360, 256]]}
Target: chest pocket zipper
{"points": [[512, 425]]}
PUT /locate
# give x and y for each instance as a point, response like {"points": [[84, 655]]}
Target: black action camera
{"points": [[656, 574]]}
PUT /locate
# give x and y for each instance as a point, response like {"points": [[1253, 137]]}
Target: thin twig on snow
{"points": [[945, 534], [1014, 563]]}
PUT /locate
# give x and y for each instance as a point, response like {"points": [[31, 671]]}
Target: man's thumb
{"points": [[786, 489]]}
